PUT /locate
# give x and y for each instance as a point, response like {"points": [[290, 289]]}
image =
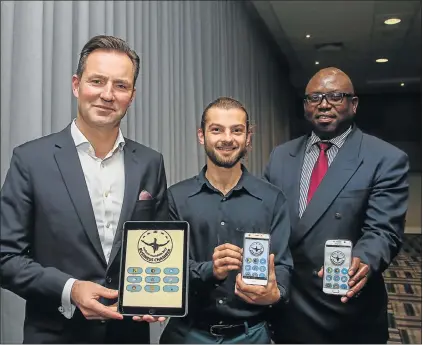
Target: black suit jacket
{"points": [[363, 198], [49, 233]]}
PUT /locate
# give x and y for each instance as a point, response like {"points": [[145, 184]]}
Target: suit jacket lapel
{"points": [[293, 172], [73, 176], [132, 186], [339, 173]]}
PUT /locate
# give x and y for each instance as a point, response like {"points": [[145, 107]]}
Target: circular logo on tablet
{"points": [[155, 246], [337, 258], [256, 248]]}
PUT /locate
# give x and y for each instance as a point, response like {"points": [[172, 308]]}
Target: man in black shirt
{"points": [[221, 204]]}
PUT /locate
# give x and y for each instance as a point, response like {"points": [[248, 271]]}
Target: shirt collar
{"points": [[337, 141], [80, 138], [245, 182]]}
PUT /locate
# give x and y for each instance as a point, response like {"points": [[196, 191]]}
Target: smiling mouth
{"points": [[104, 108], [324, 117], [226, 149]]}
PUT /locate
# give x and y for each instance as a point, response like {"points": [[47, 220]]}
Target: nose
{"points": [[228, 136], [324, 104], [107, 94]]}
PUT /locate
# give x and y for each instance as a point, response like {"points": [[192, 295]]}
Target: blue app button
{"points": [[152, 270], [152, 280], [134, 279], [171, 271], [328, 278], [247, 267], [134, 270], [170, 280], [263, 261], [344, 271], [170, 288], [344, 279], [151, 288], [133, 288]]}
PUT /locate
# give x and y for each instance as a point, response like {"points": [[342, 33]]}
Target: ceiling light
{"points": [[382, 60], [402, 84], [308, 36], [317, 62], [392, 21]]}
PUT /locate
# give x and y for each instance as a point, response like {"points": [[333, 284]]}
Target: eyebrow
{"points": [[233, 126], [123, 81]]}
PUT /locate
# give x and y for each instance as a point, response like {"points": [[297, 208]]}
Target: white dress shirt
{"points": [[105, 179]]}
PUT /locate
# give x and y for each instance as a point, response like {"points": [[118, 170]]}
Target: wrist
{"points": [[74, 291]]}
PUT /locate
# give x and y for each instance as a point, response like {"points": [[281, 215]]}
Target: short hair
{"points": [[224, 103], [108, 43]]}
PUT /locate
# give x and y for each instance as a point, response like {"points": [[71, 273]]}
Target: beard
{"points": [[224, 162]]}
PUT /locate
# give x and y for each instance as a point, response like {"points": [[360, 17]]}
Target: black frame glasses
{"points": [[331, 97]]}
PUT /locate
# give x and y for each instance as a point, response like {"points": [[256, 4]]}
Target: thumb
{"points": [[107, 293], [272, 266]]}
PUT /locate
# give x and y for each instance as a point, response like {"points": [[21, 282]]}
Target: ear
{"points": [[133, 95], [249, 136], [355, 104], [75, 85], [200, 136]]}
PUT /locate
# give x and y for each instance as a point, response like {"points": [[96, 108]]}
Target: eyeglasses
{"points": [[331, 97]]}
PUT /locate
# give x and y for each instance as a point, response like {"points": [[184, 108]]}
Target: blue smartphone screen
{"points": [[256, 256]]}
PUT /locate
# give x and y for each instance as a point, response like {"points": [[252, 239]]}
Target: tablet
{"points": [[154, 269]]}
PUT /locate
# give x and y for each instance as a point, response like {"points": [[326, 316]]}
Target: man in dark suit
{"points": [[64, 202], [341, 184]]}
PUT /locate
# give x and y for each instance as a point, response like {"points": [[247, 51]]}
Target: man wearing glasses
{"points": [[340, 184]]}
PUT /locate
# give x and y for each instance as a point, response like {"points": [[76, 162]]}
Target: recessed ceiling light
{"points": [[308, 36], [392, 21], [402, 84], [317, 62], [382, 60]]}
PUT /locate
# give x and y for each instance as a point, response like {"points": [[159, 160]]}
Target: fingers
{"points": [[272, 273], [320, 273], [230, 253], [244, 296], [361, 273], [354, 266], [228, 246], [228, 262], [107, 293], [355, 290], [96, 310], [248, 289], [149, 318]]}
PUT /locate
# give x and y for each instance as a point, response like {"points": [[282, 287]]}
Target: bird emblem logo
{"points": [[155, 246]]}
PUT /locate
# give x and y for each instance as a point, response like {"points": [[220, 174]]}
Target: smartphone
{"points": [[255, 262], [338, 256]]}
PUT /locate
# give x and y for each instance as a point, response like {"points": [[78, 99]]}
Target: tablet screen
{"points": [[153, 268]]}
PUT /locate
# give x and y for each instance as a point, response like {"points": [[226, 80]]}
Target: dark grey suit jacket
{"points": [[49, 233], [362, 198]]}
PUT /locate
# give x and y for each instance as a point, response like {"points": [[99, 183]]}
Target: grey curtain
{"points": [[191, 52]]}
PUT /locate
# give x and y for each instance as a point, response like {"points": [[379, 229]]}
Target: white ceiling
{"points": [[359, 27]]}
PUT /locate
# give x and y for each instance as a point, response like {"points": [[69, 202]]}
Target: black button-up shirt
{"points": [[253, 205]]}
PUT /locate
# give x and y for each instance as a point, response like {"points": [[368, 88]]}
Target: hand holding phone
{"points": [[338, 255], [226, 257], [260, 294]]}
